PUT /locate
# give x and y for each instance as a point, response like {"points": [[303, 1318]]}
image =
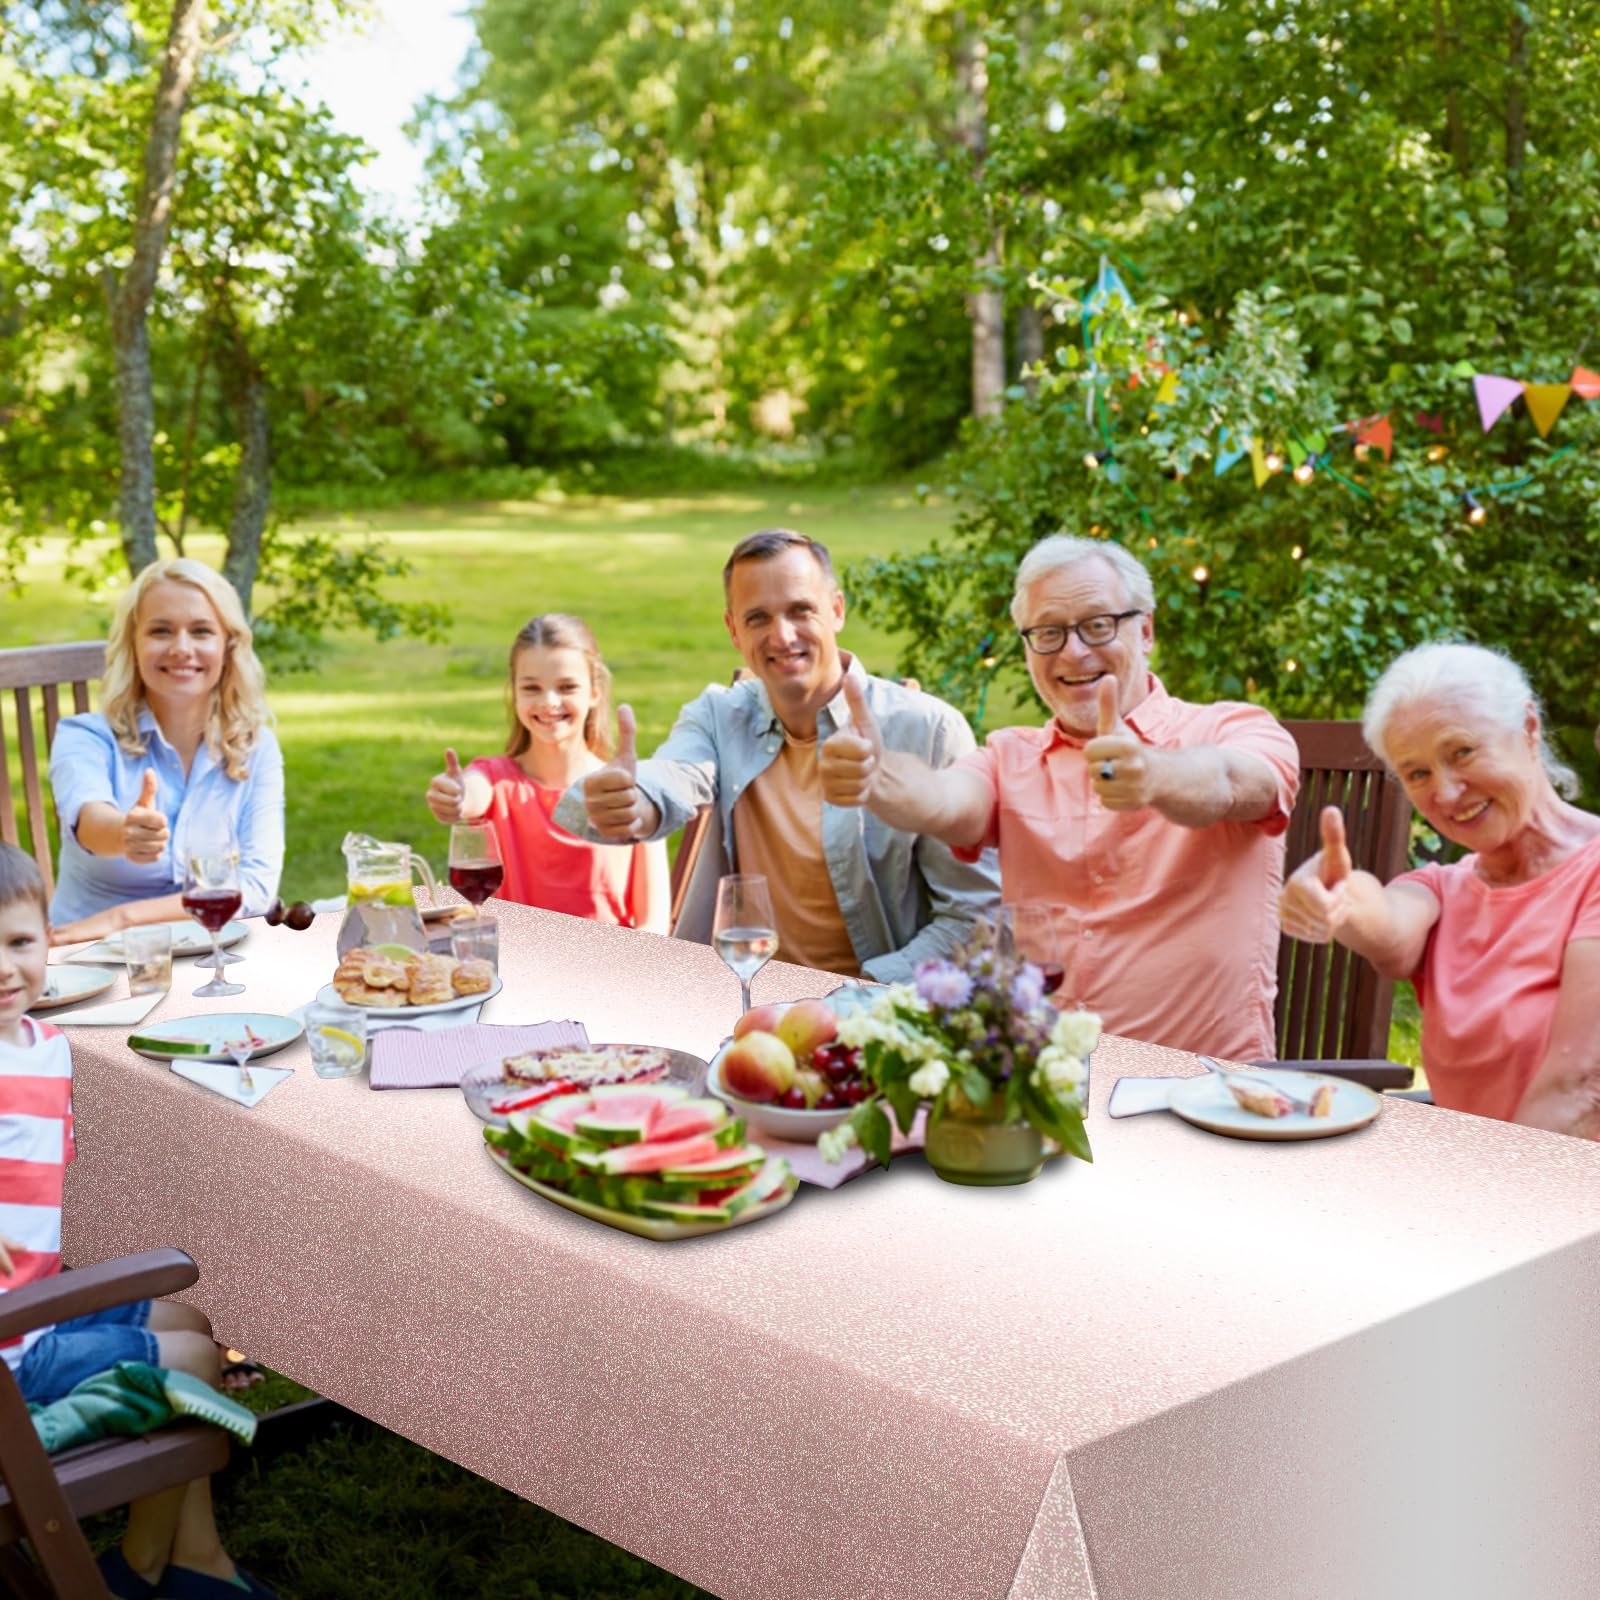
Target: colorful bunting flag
{"points": [[1377, 433], [1494, 395], [1258, 463], [1586, 383], [1297, 452], [1226, 454], [1168, 392], [1545, 401], [1432, 420]]}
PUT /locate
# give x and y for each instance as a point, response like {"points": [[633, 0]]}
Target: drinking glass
{"points": [[1036, 931], [476, 870], [476, 939], [211, 895], [148, 952], [744, 931], [337, 1034]]}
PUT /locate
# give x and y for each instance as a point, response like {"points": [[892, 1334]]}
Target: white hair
{"points": [[1067, 550], [1467, 674]]}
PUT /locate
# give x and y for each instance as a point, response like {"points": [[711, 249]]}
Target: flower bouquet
{"points": [[974, 1035]]}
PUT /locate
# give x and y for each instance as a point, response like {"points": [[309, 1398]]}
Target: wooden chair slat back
{"points": [[45, 668], [1331, 1005]]}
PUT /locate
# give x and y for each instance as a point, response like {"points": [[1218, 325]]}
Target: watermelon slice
{"points": [[554, 1124], [767, 1184], [721, 1167], [666, 1211], [620, 1119], [624, 1159], [691, 1117]]}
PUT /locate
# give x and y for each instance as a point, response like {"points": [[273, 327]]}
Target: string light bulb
{"points": [[1272, 461], [1476, 510], [1362, 451], [1305, 472], [1437, 452], [1291, 665], [1296, 553], [1200, 574], [1095, 459]]}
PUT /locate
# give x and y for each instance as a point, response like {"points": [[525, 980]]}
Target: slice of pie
{"points": [[586, 1065]]}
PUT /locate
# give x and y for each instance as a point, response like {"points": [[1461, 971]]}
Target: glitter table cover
{"points": [[1354, 1368]]}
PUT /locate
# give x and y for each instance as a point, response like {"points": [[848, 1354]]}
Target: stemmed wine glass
{"points": [[211, 895], [1035, 930], [476, 870], [744, 931], [241, 1050]]}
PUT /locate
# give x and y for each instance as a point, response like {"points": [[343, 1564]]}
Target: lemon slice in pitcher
{"points": [[395, 952], [343, 1047]]}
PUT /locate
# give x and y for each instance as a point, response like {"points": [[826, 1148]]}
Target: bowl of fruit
{"points": [[786, 1072]]}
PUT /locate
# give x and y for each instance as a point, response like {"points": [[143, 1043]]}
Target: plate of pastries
{"points": [[380, 980]]}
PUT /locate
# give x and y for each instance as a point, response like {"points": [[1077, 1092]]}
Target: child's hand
{"points": [[7, 1266], [144, 828], [447, 793]]}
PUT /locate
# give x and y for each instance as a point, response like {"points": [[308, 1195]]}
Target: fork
{"points": [[1297, 1101]]}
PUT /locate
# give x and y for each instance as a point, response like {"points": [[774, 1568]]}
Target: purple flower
{"points": [[942, 984], [1027, 988]]}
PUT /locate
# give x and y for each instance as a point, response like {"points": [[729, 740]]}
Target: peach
{"points": [[806, 1026], [758, 1067], [758, 1019]]}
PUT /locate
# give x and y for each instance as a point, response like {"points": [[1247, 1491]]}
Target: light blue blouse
{"points": [[87, 764]]}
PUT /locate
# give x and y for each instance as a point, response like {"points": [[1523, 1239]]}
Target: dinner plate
{"points": [[485, 1083], [188, 939], [645, 1227], [64, 984], [1207, 1104], [455, 1003], [215, 1030]]}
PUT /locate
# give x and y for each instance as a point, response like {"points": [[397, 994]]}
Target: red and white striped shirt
{"points": [[35, 1147]]}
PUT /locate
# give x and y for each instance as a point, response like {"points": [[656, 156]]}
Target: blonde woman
{"points": [[181, 746]]}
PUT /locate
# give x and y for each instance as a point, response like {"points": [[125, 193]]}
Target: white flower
{"points": [[1058, 1071], [1076, 1032], [906, 997], [833, 1144], [929, 1079]]}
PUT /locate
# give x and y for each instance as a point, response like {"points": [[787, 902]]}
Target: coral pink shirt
{"points": [[1176, 929], [545, 865], [1491, 975]]}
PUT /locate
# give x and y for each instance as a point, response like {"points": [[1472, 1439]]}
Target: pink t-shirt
{"points": [[1491, 975], [545, 865], [1176, 928]]}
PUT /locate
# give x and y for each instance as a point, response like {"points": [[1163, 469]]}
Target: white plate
{"points": [[485, 1083], [64, 984], [645, 1227], [1207, 1104], [798, 1127], [328, 993], [188, 939], [216, 1029]]}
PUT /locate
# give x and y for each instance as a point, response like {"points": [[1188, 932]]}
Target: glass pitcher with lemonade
{"points": [[381, 909]]}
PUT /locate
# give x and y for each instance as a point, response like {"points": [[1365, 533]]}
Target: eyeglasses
{"points": [[1051, 637]]}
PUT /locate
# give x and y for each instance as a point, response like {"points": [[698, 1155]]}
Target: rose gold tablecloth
{"points": [[1358, 1368]]}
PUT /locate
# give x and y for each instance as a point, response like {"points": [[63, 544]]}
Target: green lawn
{"points": [[363, 735]]}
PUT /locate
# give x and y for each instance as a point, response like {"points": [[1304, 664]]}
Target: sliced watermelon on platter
{"points": [[767, 1184], [621, 1160], [668, 1212], [690, 1117], [722, 1167], [620, 1119]]}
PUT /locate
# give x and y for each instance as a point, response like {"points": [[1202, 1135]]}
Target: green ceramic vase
{"points": [[980, 1145]]}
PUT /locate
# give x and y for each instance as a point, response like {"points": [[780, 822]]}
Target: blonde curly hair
{"points": [[238, 709]]}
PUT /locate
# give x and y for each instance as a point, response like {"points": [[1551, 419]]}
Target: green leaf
{"points": [[905, 1100], [975, 1086], [872, 1129]]}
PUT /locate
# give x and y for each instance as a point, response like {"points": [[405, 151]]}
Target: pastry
{"points": [[472, 977], [428, 979], [1322, 1100], [1259, 1098], [588, 1064]]}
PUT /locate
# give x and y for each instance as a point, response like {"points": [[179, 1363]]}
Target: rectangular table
{"points": [[1354, 1368]]}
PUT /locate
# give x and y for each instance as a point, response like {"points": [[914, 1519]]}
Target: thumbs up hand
{"points": [[144, 828], [619, 811], [849, 761], [1119, 762], [1316, 900], [447, 793]]}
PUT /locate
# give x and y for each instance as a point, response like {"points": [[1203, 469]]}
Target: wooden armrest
{"points": [[145, 1276], [1374, 1074]]}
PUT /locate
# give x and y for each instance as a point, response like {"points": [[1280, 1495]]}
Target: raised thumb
{"points": [[861, 717], [1106, 701], [1336, 864], [147, 791], [452, 764], [627, 756]]}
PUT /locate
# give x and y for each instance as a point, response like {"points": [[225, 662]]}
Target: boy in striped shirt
{"points": [[171, 1550]]}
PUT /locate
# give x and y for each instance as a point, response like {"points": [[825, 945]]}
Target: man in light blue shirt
{"points": [[849, 892]]}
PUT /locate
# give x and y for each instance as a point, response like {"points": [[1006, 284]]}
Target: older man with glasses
{"points": [[1155, 824]]}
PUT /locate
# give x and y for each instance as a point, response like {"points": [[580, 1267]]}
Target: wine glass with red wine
{"points": [[476, 871], [1036, 931], [211, 895]]}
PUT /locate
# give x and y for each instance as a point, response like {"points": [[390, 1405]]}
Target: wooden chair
{"points": [[1332, 1005], [49, 668], [43, 1497]]}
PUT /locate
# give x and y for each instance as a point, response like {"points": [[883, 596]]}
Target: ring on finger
{"points": [[1107, 771]]}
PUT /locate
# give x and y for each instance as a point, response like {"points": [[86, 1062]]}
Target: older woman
{"points": [[1504, 945], [181, 748]]}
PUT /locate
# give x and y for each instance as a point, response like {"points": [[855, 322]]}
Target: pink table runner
{"points": [[404, 1058], [1198, 1368]]}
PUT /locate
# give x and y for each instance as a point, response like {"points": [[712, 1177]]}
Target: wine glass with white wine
{"points": [[745, 932]]}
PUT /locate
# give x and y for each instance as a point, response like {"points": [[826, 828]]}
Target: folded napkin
{"points": [[809, 1167], [406, 1059], [113, 1014], [1130, 1096], [132, 1398], [222, 1077]]}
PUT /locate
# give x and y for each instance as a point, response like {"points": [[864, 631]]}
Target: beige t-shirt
{"points": [[777, 832]]}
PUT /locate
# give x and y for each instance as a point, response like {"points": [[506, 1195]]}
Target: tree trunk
{"points": [[1444, 43], [985, 305], [1516, 125], [252, 484], [131, 295]]}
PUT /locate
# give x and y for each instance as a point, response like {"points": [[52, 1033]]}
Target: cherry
{"points": [[829, 1102], [793, 1099], [299, 916], [274, 914], [855, 1093]]}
